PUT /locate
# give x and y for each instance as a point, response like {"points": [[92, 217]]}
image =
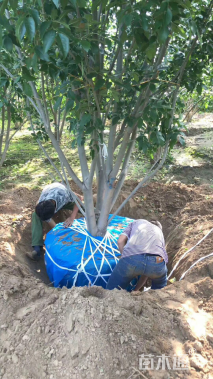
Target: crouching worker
{"points": [[54, 197], [143, 252]]}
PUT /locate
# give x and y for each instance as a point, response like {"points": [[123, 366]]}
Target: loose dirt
{"points": [[92, 333]]}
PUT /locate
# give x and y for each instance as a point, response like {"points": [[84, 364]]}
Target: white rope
{"points": [[104, 246], [184, 255], [199, 260], [104, 151], [188, 251], [61, 267]]}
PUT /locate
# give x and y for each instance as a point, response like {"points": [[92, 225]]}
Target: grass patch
{"points": [[26, 165]]}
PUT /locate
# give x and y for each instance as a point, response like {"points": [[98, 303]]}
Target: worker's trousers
{"points": [[131, 267], [37, 228]]}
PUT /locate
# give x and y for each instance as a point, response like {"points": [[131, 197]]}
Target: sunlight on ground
{"points": [[184, 159], [178, 348], [197, 320], [9, 248]]}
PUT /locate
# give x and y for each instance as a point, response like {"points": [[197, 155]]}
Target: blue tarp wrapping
{"points": [[74, 257]]}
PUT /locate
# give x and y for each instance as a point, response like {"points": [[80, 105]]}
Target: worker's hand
{"points": [[68, 222], [136, 293]]}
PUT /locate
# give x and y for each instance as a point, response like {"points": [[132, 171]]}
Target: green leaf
{"points": [[96, 4], [144, 23], [3, 7], [199, 37], [181, 140], [14, 39], [40, 54], [99, 84], [56, 2], [193, 27], [27, 89], [57, 103], [4, 22], [27, 75], [86, 45], [30, 27], [168, 17], [163, 34], [34, 63], [63, 42], [151, 50], [73, 2], [199, 88], [140, 123], [64, 4], [14, 4], [143, 143], [71, 94], [115, 119], [124, 37], [127, 19], [8, 44], [115, 95], [152, 87], [44, 27], [48, 40], [22, 31], [85, 119], [35, 15], [81, 3], [177, 29], [92, 75], [1, 40], [19, 28], [135, 76], [69, 105]]}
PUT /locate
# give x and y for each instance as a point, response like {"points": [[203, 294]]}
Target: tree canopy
{"points": [[105, 65]]}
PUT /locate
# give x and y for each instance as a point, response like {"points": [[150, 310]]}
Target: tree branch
{"points": [[19, 85], [75, 198], [60, 153], [7, 140], [84, 166], [93, 168], [42, 148], [120, 134], [44, 97], [124, 170], [148, 177]]}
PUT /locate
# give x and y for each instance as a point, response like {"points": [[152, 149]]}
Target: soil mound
{"points": [[93, 333]]}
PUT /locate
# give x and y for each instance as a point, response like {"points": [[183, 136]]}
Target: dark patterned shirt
{"points": [[57, 192], [144, 238]]}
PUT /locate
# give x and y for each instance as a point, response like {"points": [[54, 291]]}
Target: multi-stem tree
{"points": [[108, 65]]}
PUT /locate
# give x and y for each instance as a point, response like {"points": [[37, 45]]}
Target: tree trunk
{"points": [[2, 129], [7, 138], [106, 206]]}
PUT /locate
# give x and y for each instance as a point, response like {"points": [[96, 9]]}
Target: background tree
{"points": [[11, 116], [110, 66]]}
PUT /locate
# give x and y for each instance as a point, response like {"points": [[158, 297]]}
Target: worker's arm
{"points": [[70, 219], [141, 282], [51, 223], [122, 240]]}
